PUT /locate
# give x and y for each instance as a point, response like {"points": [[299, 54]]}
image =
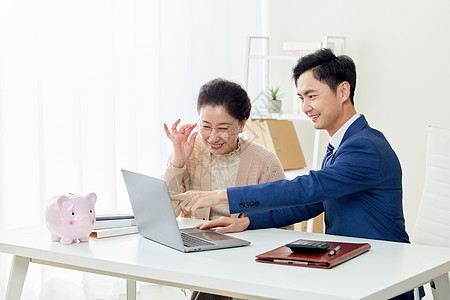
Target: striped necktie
{"points": [[328, 155]]}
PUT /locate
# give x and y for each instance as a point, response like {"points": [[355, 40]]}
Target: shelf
{"points": [[271, 57], [279, 116], [291, 174]]}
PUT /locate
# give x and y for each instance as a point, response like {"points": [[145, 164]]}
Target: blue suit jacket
{"points": [[360, 192]]}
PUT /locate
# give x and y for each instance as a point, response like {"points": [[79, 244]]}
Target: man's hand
{"points": [[226, 224], [193, 200]]}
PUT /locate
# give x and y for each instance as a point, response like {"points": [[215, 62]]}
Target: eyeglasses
{"points": [[221, 130]]}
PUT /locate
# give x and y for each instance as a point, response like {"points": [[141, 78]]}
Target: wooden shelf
{"points": [[279, 116], [272, 57], [291, 174]]}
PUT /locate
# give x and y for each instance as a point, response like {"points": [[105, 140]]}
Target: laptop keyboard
{"points": [[193, 241]]}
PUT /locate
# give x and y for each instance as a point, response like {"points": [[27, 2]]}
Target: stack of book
{"points": [[107, 225]]}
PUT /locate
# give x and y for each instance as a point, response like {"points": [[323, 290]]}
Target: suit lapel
{"points": [[356, 127]]}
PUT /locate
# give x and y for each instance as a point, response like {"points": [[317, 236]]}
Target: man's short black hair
{"points": [[230, 95], [328, 68]]}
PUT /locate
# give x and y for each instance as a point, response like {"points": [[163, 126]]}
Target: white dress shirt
{"points": [[336, 139]]}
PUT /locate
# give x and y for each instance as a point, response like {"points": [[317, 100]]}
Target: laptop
{"points": [[156, 220]]}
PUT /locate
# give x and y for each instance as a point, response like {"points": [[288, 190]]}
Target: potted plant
{"points": [[274, 104]]}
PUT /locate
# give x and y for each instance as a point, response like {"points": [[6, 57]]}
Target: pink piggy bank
{"points": [[71, 217]]}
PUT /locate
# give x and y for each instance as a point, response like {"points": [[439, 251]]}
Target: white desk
{"points": [[387, 270]]}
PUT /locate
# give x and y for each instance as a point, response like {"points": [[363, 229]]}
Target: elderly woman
{"points": [[218, 158]]}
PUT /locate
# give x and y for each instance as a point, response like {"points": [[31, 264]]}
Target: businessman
{"points": [[359, 186]]}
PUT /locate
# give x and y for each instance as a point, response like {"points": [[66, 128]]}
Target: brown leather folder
{"points": [[284, 256]]}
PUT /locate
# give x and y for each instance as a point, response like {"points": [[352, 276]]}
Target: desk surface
{"points": [[386, 270]]}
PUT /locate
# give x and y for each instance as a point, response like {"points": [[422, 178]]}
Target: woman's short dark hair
{"points": [[230, 95], [328, 68]]}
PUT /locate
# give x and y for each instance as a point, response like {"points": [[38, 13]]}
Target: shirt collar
{"points": [[336, 139]]}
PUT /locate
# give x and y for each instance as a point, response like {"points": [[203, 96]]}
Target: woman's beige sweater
{"points": [[249, 164]]}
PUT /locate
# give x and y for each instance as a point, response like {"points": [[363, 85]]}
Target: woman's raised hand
{"points": [[183, 142]]}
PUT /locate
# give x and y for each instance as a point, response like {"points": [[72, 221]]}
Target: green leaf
{"points": [[274, 93]]}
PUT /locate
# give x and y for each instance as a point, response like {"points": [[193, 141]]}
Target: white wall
{"points": [[84, 89], [401, 53]]}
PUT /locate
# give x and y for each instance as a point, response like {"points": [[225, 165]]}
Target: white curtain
{"points": [[85, 87]]}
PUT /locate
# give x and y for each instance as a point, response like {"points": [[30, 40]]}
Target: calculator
{"points": [[308, 247]]}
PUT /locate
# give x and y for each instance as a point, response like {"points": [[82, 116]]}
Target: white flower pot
{"points": [[274, 106]]}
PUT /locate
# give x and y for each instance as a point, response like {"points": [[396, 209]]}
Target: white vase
{"points": [[274, 106]]}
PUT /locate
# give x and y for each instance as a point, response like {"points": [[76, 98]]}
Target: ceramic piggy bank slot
{"points": [[71, 217]]}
